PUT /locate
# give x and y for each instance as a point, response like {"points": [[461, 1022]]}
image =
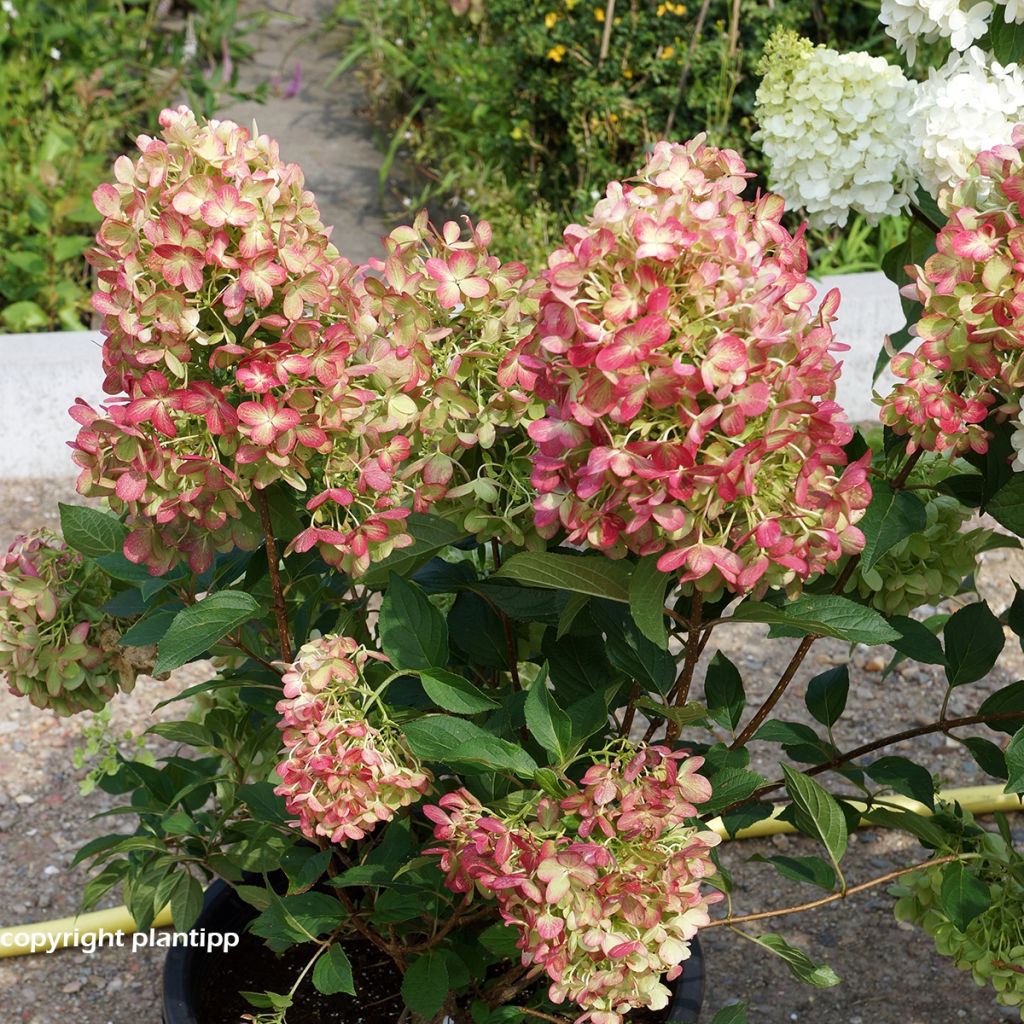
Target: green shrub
{"points": [[78, 80], [508, 105]]}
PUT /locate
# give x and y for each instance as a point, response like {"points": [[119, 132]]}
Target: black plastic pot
{"points": [[188, 971]]}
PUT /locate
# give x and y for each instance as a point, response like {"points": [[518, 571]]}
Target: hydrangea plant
{"points": [[458, 540]]}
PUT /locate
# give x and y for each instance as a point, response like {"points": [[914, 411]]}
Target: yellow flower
{"points": [[613, 118], [556, 53], [551, 19], [662, 8], [627, 73], [668, 52], [599, 14], [570, 4]]}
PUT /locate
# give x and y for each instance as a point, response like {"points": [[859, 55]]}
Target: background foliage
{"points": [[509, 107], [79, 79]]}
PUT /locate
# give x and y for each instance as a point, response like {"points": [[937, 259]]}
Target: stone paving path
{"points": [[321, 127]]}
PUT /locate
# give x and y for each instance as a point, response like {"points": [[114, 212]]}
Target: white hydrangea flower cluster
{"points": [[969, 105], [962, 22], [1017, 443], [827, 128]]}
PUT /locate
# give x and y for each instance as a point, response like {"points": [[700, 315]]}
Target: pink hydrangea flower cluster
{"points": [[440, 314], [229, 318], [57, 647], [341, 775], [604, 887], [971, 355], [690, 384]]}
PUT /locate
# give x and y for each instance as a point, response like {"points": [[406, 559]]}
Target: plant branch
{"points": [[867, 748], [540, 1015], [606, 35], [684, 74], [833, 897], [681, 690], [280, 608], [776, 695]]}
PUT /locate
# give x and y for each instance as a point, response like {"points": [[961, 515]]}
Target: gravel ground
{"points": [[891, 973]]}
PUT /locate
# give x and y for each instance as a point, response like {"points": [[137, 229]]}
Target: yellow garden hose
{"points": [[48, 936]]}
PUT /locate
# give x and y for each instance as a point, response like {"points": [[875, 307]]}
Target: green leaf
{"points": [[430, 535], [891, 517], [194, 630], [729, 786], [186, 901], [91, 532], [823, 615], [300, 918], [903, 776], [500, 940], [456, 741], [811, 870], [723, 691], [1015, 764], [1006, 506], [826, 694], [425, 985], [917, 641], [920, 825], [734, 1014], [413, 633], [818, 813], [799, 963], [1008, 699], [263, 803], [597, 576], [647, 586], [964, 896], [24, 316], [333, 972], [1005, 41], [974, 641], [453, 693], [190, 733], [150, 629], [549, 725], [692, 711], [630, 651], [989, 758]]}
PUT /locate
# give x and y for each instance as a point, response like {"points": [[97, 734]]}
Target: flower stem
{"points": [[683, 683], [280, 608]]}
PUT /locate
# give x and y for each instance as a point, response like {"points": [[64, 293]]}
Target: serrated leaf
{"points": [[692, 711], [723, 691], [299, 918], [430, 534], [450, 740], [151, 628], [453, 693], [549, 725], [917, 641], [332, 973], [1008, 699], [595, 576], [799, 963], [1014, 754], [810, 870], [826, 694], [729, 786], [413, 632], [818, 813], [1006, 506], [891, 517], [964, 896], [647, 586], [823, 615], [734, 1014], [974, 641], [186, 901], [425, 985], [989, 758], [905, 777], [194, 630], [90, 531]]}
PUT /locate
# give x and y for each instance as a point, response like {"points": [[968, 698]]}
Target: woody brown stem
{"points": [[861, 887], [280, 608]]}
